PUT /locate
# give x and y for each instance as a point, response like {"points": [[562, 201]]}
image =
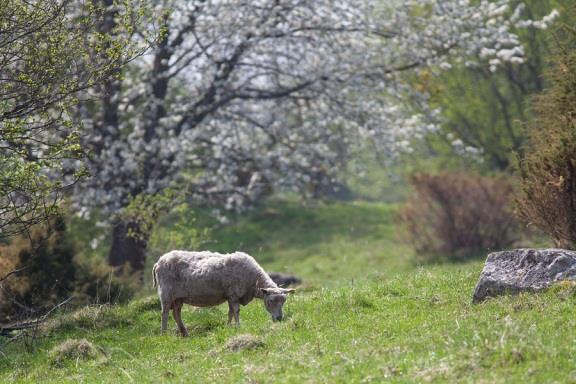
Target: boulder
{"points": [[283, 280], [518, 270]]}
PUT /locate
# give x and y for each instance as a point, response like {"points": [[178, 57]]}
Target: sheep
{"points": [[205, 279]]}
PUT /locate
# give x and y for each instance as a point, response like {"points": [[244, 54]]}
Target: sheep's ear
{"points": [[265, 291], [290, 290]]}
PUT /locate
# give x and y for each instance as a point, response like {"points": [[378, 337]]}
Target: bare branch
{"points": [[6, 330], [12, 273]]}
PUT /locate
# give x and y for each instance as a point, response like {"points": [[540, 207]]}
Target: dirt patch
{"points": [[73, 349], [244, 342]]}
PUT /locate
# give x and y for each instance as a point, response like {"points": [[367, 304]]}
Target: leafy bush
{"points": [[458, 216], [51, 271], [45, 260], [12, 285], [180, 230], [547, 170]]}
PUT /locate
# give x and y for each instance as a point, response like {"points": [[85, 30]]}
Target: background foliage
{"points": [[50, 52], [547, 169], [457, 216]]}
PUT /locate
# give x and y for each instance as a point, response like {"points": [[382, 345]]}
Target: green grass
{"points": [[324, 243], [365, 315], [418, 326]]}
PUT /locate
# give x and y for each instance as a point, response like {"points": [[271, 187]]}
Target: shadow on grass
{"points": [[201, 322]]}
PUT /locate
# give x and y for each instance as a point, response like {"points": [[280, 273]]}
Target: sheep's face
{"points": [[274, 299]]}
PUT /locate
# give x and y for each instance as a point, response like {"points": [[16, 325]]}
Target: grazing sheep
{"points": [[205, 279]]}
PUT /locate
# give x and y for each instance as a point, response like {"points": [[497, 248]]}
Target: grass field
{"points": [[325, 244], [364, 314]]}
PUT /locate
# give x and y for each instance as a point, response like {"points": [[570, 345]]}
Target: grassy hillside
{"points": [[416, 327], [365, 315], [325, 244]]}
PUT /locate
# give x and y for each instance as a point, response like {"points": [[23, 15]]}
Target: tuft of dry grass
{"points": [[89, 317], [72, 349], [244, 342]]}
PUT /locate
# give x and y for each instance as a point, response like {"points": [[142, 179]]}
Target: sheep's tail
{"points": [[154, 279]]}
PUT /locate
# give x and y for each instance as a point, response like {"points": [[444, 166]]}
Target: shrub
{"points": [[180, 230], [51, 272], [13, 285], [49, 265], [45, 258], [456, 216], [547, 169]]}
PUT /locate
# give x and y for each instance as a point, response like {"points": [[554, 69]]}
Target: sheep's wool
{"points": [[209, 278]]}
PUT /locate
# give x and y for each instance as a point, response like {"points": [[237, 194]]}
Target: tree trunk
{"points": [[128, 246]]}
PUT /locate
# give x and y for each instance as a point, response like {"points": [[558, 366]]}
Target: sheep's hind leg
{"points": [[165, 312], [176, 312]]}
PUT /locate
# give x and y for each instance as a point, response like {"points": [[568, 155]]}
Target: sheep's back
{"points": [[207, 275]]}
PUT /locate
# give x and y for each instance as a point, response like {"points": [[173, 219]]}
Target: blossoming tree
{"points": [[240, 98]]}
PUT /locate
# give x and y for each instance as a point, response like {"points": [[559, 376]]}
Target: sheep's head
{"points": [[274, 299]]}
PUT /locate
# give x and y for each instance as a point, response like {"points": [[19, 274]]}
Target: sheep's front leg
{"points": [[234, 312], [230, 313]]}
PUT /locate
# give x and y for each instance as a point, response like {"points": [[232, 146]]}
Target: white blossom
{"points": [[250, 96]]}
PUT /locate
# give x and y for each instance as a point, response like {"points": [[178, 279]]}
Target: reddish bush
{"points": [[457, 216]]}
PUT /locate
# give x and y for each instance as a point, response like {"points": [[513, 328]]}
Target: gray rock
{"points": [[510, 272], [283, 280]]}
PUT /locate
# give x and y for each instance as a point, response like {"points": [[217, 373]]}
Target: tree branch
{"points": [[12, 273]]}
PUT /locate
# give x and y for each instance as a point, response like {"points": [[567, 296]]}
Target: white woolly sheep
{"points": [[205, 279]]}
